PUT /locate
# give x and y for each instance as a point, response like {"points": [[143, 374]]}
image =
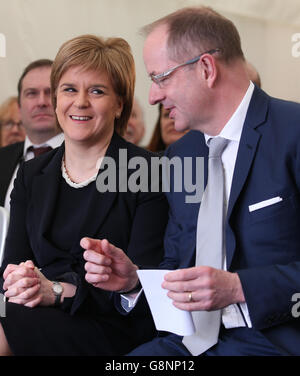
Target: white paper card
{"points": [[264, 204], [165, 315]]}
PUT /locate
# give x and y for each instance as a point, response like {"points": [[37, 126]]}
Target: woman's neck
{"points": [[81, 160]]}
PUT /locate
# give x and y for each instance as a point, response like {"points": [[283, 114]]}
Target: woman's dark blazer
{"points": [[134, 222]]}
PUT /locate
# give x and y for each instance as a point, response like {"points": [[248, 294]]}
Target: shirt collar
{"points": [[54, 142], [233, 128]]}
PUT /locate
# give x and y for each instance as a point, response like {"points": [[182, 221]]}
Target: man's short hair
{"points": [[41, 63], [194, 30]]}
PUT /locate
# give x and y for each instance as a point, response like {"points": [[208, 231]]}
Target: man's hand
{"points": [[107, 266], [209, 289]]}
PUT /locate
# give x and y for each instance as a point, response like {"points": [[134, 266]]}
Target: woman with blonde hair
{"points": [[11, 127], [52, 308]]}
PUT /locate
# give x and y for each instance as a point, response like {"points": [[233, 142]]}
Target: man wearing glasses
{"points": [[39, 121], [235, 256]]}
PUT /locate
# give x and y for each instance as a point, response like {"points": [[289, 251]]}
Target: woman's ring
{"points": [[190, 297]]}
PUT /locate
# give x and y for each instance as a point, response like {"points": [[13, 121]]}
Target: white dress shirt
{"points": [[235, 315], [54, 142]]}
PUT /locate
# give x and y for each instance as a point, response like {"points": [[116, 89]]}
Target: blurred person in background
{"points": [[12, 130], [164, 133], [253, 74], [38, 120], [136, 127]]}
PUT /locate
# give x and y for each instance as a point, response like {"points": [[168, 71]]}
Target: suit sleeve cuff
{"points": [[129, 300]]}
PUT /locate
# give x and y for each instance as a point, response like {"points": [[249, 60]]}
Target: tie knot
{"points": [[40, 150], [217, 146]]}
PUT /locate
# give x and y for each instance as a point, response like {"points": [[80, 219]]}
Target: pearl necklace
{"points": [[70, 182]]}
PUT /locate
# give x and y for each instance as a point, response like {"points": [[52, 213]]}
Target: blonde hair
{"points": [[7, 108], [6, 111], [112, 55]]}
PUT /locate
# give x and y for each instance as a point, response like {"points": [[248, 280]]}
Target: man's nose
{"points": [[44, 99], [156, 94]]}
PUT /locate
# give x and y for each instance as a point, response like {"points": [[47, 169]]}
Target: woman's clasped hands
{"points": [[24, 284]]}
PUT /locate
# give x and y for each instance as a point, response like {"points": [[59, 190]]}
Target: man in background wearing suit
{"points": [[199, 74], [39, 121]]}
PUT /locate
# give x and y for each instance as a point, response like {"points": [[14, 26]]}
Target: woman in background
{"points": [[164, 133], [11, 127]]}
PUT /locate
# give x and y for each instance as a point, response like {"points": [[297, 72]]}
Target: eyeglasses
{"points": [[159, 78], [10, 124]]}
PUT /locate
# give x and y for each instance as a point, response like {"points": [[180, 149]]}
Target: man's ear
{"points": [[209, 69]]}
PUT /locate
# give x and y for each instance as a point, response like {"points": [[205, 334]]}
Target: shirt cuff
{"points": [[128, 301], [246, 315]]}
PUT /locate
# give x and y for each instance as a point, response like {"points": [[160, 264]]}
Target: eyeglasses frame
{"points": [[158, 78]]}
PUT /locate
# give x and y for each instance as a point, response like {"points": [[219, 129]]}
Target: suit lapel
{"points": [[249, 142]]}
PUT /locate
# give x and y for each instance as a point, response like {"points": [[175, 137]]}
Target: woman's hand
{"points": [[21, 283], [107, 266], [13, 273], [26, 285]]}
